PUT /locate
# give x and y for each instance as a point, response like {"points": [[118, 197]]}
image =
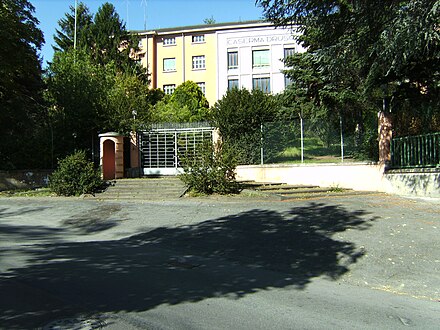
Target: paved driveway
{"points": [[220, 262]]}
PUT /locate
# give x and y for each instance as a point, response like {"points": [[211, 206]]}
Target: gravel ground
{"points": [[59, 249], [394, 242]]}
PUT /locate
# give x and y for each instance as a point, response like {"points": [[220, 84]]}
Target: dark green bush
{"points": [[210, 169], [74, 176], [239, 115]]}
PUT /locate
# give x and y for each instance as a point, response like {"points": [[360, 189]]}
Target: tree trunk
{"points": [[385, 135]]}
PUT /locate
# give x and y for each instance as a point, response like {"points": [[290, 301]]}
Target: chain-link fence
{"points": [[304, 141]]}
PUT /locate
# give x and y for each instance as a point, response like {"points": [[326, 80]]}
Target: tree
{"points": [[363, 51], [21, 111], [186, 104], [209, 20], [96, 87], [87, 98], [239, 115], [127, 104], [111, 41], [76, 89], [64, 36], [103, 36]]}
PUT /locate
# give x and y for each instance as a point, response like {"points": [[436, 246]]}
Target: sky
{"points": [[146, 14]]}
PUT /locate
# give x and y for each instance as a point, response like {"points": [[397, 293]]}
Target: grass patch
{"points": [[314, 152], [40, 192]]}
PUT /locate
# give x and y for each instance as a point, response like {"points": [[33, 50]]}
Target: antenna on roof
{"points": [[128, 17], [144, 4]]}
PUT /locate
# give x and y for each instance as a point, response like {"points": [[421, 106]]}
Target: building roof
{"points": [[205, 27]]}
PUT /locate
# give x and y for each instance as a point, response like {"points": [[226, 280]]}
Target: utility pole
{"points": [[76, 19]]}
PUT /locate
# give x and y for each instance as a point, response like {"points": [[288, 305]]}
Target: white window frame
{"points": [[259, 61], [198, 62], [202, 86], [287, 81], [230, 80], [169, 68], [169, 41], [232, 59], [169, 89], [262, 83], [198, 39], [289, 51]]}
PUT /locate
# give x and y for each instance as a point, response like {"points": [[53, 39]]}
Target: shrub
{"points": [[74, 176], [210, 169], [239, 116]]}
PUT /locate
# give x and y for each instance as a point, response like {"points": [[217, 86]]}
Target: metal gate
{"points": [[160, 148]]}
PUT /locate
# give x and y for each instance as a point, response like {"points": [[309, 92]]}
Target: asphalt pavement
{"points": [[361, 261]]}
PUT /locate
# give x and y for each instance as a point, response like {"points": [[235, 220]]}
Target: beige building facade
{"points": [[218, 57]]}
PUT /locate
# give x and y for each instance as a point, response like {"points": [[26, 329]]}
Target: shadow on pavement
{"points": [[231, 257]]}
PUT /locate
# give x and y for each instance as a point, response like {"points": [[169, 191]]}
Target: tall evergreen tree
{"points": [[64, 36], [110, 38], [20, 82]]}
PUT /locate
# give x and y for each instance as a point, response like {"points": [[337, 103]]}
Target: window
{"points": [[262, 84], [232, 83], [287, 81], [288, 52], [202, 86], [198, 39], [260, 58], [232, 60], [169, 41], [169, 64], [198, 62], [169, 89]]}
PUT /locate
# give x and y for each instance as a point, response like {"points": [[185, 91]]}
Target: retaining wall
{"points": [[356, 176]]}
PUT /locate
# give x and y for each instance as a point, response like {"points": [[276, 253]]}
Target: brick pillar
{"points": [[119, 157]]}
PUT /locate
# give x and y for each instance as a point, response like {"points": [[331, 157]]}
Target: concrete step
{"points": [[282, 187], [144, 189], [282, 191]]}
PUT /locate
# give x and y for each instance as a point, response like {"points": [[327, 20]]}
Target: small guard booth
{"points": [[112, 155]]}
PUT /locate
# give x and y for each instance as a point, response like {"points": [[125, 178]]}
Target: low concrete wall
{"points": [[24, 179], [415, 183], [356, 176]]}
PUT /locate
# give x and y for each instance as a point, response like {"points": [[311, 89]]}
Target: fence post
{"points": [[261, 146], [302, 137], [342, 138]]}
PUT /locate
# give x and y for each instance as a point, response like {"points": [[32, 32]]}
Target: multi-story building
{"points": [[218, 57]]}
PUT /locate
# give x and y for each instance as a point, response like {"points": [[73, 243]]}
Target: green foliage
{"points": [[74, 176], [109, 33], [239, 116], [209, 20], [104, 37], [210, 169], [64, 36], [22, 116], [87, 98], [126, 105], [76, 88], [361, 52], [186, 104]]}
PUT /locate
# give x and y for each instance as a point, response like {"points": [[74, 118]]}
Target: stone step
{"points": [[300, 191], [282, 187], [144, 189], [282, 191]]}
